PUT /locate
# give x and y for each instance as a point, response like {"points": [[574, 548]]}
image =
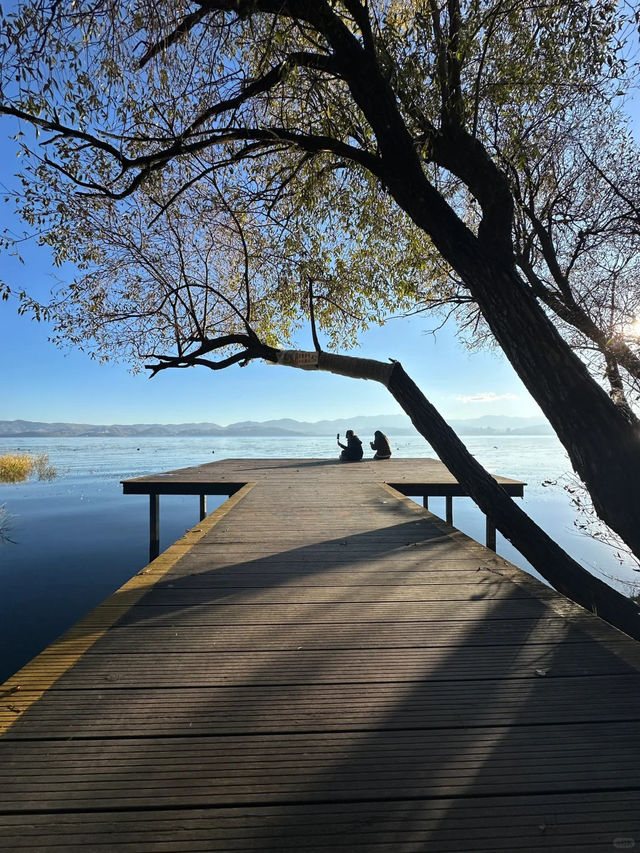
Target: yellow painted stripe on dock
{"points": [[26, 686]]}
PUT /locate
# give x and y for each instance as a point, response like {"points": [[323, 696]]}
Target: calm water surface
{"points": [[77, 538]]}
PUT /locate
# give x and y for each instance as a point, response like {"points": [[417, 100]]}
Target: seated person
{"points": [[381, 445], [352, 450]]}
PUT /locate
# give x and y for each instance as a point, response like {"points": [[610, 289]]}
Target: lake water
{"points": [[77, 538]]}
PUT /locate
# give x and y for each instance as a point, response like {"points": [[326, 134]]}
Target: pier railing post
{"points": [[449, 509], [203, 507], [491, 535], [425, 501], [154, 526]]}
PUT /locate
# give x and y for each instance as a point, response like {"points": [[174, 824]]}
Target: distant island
{"points": [[284, 427]]}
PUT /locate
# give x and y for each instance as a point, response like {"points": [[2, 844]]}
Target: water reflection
{"points": [[6, 520]]}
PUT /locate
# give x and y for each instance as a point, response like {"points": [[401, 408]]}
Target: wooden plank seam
{"points": [[29, 683]]}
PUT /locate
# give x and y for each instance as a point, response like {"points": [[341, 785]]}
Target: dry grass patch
{"points": [[14, 468], [17, 467]]}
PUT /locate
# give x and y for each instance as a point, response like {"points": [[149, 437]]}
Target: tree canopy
{"points": [[505, 108], [221, 172]]}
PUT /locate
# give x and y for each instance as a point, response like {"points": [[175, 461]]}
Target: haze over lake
{"points": [[77, 538]]}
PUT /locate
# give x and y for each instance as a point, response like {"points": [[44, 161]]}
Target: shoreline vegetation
{"points": [[18, 467]]}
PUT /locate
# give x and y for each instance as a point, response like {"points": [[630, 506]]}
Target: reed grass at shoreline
{"points": [[18, 467]]}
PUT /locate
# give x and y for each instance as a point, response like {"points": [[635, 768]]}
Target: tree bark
{"points": [[603, 444], [552, 562]]}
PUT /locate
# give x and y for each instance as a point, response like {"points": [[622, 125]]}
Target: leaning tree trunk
{"points": [[551, 561], [602, 442], [545, 555]]}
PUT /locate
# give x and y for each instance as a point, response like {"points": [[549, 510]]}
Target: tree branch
{"points": [[67, 132], [312, 317], [252, 348], [246, 317], [263, 84], [575, 316], [360, 15], [187, 23], [263, 139]]}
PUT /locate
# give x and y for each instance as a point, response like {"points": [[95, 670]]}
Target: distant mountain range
{"points": [[363, 424]]}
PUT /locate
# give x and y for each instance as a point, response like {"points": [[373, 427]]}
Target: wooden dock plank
{"points": [[330, 613], [342, 636], [320, 576], [299, 667], [141, 712], [565, 822], [298, 594], [339, 767], [325, 665]]}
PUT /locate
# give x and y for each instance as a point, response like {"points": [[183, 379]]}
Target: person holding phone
{"points": [[352, 450]]}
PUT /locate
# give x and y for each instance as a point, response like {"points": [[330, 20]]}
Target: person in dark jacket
{"points": [[381, 445], [352, 450]]}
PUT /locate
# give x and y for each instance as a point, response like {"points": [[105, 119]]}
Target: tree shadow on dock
{"points": [[379, 690]]}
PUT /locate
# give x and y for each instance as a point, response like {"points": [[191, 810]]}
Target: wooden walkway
{"points": [[323, 665], [423, 478]]}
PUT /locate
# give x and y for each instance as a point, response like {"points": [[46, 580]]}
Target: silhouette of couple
{"points": [[352, 450]]}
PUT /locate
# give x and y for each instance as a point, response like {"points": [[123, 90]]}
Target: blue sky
{"points": [[43, 383]]}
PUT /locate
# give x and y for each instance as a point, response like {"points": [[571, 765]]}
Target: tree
{"points": [[577, 240], [317, 115], [180, 294]]}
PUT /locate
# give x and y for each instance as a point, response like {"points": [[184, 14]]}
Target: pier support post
{"points": [[449, 509], [154, 526], [425, 501], [491, 535], [203, 506]]}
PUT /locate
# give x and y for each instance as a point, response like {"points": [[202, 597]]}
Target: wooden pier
{"points": [[320, 665], [423, 478]]}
